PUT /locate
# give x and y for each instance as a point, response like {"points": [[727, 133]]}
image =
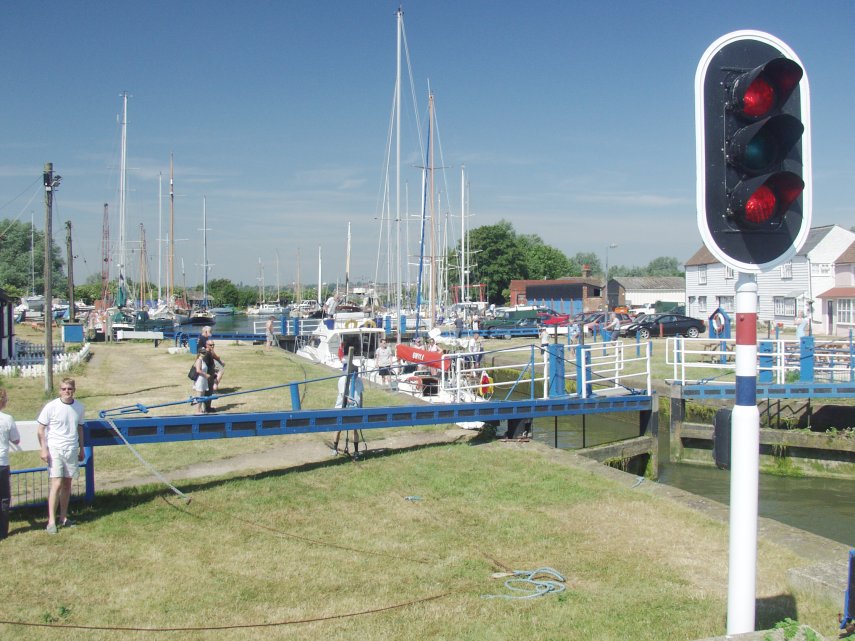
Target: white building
{"points": [[838, 303], [783, 291]]}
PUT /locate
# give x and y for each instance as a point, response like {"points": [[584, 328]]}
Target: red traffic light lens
{"points": [[760, 206], [759, 98]]}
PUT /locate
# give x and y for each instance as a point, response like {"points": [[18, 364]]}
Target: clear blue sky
{"points": [[575, 120]]}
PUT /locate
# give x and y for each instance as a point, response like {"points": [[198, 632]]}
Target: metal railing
{"points": [[778, 360]]}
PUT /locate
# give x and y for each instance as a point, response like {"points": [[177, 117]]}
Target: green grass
{"points": [[340, 539]]}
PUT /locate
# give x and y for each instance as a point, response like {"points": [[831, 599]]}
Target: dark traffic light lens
{"points": [[760, 206], [759, 98], [760, 152]]}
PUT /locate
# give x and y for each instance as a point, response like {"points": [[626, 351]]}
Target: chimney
{"points": [[586, 271]]}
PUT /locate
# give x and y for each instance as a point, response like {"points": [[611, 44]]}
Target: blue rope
{"points": [[532, 586]]}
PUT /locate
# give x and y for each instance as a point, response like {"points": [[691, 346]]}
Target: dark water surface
{"points": [[823, 506]]}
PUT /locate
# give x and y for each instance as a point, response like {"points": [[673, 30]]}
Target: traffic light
{"points": [[752, 118]]}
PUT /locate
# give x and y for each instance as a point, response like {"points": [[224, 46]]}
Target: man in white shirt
{"points": [[61, 439], [8, 435]]}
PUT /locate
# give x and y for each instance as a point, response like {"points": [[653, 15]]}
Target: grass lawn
{"points": [[401, 546]]}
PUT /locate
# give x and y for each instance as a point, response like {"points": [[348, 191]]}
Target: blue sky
{"points": [[575, 121]]}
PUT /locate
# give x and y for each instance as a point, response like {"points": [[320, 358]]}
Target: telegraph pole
{"points": [[51, 182]]}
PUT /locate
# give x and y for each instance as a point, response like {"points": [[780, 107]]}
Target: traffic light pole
{"points": [[745, 465]]}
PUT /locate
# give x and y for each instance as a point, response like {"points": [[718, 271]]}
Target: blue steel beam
{"points": [[787, 390], [159, 429]]}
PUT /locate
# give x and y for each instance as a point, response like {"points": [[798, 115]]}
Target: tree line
{"points": [[498, 255]]}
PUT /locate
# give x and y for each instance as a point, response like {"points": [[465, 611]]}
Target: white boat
{"points": [[266, 309], [330, 346]]}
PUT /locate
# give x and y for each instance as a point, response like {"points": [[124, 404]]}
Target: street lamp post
{"points": [[606, 288]]}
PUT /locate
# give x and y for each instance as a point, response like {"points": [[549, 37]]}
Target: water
{"points": [[823, 506], [241, 323]]}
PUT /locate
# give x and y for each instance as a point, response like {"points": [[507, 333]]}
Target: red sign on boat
{"points": [[425, 357]]}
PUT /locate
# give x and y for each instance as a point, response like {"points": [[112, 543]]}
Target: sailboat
{"points": [[201, 315]]}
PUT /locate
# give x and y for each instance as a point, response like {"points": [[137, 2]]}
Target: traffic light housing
{"points": [[752, 116]]}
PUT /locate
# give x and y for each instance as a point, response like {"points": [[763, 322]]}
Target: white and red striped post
{"points": [[745, 465]]}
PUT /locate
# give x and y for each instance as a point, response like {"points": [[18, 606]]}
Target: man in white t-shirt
{"points": [[8, 435], [61, 438]]}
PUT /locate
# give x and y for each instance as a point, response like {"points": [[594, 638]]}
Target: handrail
{"points": [[777, 359]]}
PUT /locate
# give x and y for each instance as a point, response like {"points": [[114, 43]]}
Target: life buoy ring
{"points": [[369, 323], [351, 324], [718, 322], [486, 384]]}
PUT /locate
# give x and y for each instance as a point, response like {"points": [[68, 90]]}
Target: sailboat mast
{"points": [[320, 282], [400, 29], [122, 189], [432, 210], [204, 252], [463, 296], [347, 266], [159, 235], [170, 294]]}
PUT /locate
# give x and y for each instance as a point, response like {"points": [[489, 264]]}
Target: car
{"points": [[602, 319], [665, 325]]}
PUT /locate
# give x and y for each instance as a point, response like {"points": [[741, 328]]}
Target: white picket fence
{"points": [[61, 363]]}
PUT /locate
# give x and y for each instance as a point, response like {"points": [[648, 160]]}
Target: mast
{"points": [[278, 296], [204, 252], [122, 295], [170, 293], [159, 234], [347, 266], [320, 282], [462, 263], [432, 186], [298, 291], [143, 268], [400, 30]]}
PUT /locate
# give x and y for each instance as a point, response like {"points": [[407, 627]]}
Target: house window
{"points": [[702, 274], [729, 274], [787, 269], [785, 306], [702, 304], [820, 269], [726, 303], [844, 311]]}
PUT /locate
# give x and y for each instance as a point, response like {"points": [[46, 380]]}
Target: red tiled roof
{"points": [[838, 292]]}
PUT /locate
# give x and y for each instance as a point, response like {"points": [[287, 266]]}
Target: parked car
{"points": [[668, 324], [603, 319]]}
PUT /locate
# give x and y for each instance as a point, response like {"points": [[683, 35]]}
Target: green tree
{"points": [[544, 261], [222, 291], [15, 257], [499, 258], [591, 260]]}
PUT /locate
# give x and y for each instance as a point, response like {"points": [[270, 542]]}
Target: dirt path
{"points": [[293, 452]]}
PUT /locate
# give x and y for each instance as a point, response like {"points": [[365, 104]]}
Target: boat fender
{"points": [[486, 384]]}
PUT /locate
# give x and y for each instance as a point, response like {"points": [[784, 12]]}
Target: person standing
{"points": [[350, 390], [268, 329], [614, 327], [201, 386], [61, 440], [8, 435], [801, 326], [383, 359]]}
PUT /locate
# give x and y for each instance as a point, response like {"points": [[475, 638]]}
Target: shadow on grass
{"points": [[115, 501]]}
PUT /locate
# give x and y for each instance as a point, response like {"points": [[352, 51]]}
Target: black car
{"points": [[667, 324]]}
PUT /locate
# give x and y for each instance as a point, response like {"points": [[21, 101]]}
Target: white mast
{"points": [[400, 23], [347, 265], [320, 282], [278, 296], [122, 188], [159, 234], [205, 252], [462, 263]]}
